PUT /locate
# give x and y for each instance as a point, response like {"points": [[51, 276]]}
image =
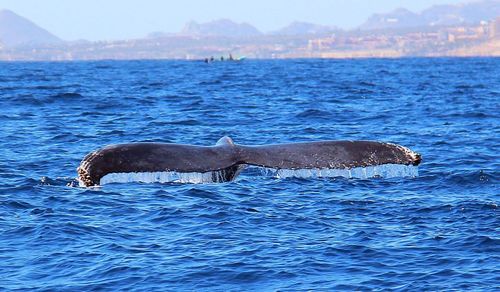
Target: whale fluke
{"points": [[329, 154], [224, 161]]}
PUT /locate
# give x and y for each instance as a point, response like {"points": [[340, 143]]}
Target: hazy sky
{"points": [[122, 19]]}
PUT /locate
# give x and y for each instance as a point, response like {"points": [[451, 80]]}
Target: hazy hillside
{"points": [[304, 28], [221, 27], [445, 30], [17, 31], [472, 12]]}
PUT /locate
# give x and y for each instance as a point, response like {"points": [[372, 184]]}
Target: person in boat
{"points": [[231, 57]]}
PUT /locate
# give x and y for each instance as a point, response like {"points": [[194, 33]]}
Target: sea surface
{"points": [[437, 231]]}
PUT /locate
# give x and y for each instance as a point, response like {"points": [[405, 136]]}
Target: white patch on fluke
{"points": [[385, 171]]}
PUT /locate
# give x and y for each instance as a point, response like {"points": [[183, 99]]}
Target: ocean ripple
{"points": [[435, 231]]}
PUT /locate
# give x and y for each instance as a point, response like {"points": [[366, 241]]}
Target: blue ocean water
{"points": [[437, 231]]}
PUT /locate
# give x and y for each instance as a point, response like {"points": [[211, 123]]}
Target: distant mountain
{"points": [[221, 27], [304, 28], [399, 18], [472, 12], [18, 31], [160, 34]]}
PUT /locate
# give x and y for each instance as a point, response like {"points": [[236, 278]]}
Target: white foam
{"points": [[385, 171]]}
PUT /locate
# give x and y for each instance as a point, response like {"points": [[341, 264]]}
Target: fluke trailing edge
{"points": [[223, 162]]}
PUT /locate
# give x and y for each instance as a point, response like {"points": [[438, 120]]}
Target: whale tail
{"points": [[162, 162]]}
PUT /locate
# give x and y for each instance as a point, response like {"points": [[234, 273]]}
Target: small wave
{"points": [[111, 132], [367, 83], [16, 204], [92, 114], [47, 87], [59, 181], [212, 82], [472, 177], [480, 243], [28, 99], [314, 113], [67, 95], [153, 85], [103, 66], [42, 211], [466, 87], [12, 117], [189, 122], [38, 100]]}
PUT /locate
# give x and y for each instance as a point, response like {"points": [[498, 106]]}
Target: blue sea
{"points": [[439, 231]]}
